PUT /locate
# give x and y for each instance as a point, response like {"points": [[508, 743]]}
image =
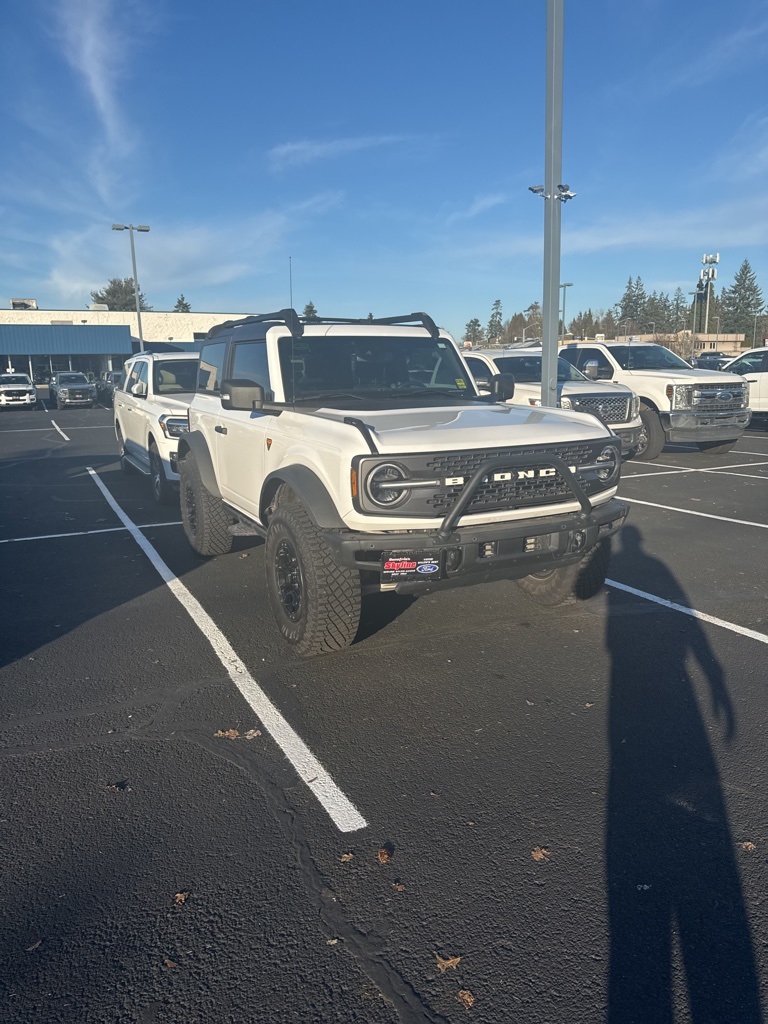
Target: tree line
{"points": [[732, 311]]}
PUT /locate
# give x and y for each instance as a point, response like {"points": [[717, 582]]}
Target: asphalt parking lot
{"points": [[481, 811]]}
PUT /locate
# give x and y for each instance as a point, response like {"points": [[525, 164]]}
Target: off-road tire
{"points": [[163, 491], [326, 596], [205, 517], [651, 447], [570, 583], [59, 404], [716, 447]]}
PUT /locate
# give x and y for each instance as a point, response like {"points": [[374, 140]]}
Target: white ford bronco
{"points": [[151, 415], [615, 404], [677, 403], [363, 453]]}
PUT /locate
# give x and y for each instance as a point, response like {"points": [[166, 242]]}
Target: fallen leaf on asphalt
{"points": [[226, 734], [444, 963], [345, 857], [34, 946], [433, 794], [169, 963], [331, 942], [471, 823], [540, 854], [245, 554], [386, 853], [529, 703], [398, 886], [465, 997], [252, 734], [749, 847], [589, 705], [180, 897]]}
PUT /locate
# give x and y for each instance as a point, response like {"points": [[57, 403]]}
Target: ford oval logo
{"points": [[427, 567], [724, 396]]}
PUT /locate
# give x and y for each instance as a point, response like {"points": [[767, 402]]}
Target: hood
{"points": [[491, 426], [16, 387], [175, 406], [579, 388], [688, 376]]}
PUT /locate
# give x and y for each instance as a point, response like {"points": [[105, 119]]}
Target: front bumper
{"points": [[75, 401], [629, 436], [27, 401], [705, 426], [482, 554]]}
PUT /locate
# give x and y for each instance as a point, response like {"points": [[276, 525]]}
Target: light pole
{"points": [[717, 340], [653, 327], [131, 228], [566, 284], [754, 330]]}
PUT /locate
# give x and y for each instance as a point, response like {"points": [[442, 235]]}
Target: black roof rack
{"points": [[295, 323]]}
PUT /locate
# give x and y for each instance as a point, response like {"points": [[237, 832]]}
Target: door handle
{"points": [[219, 429]]}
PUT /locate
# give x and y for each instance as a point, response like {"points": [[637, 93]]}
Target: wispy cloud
{"points": [[745, 156], [726, 53], [296, 154], [476, 207]]}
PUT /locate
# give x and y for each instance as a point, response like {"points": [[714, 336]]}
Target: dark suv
{"points": [[68, 387]]}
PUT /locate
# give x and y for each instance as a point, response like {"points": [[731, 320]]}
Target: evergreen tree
{"points": [[118, 294], [741, 302], [473, 332], [182, 306], [310, 313], [495, 327], [632, 304], [370, 317]]}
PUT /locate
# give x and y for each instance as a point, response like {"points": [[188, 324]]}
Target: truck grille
{"points": [[494, 495], [610, 410], [15, 394], [719, 398]]}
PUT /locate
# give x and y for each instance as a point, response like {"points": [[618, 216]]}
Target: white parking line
{"points": [[59, 430], [83, 533], [709, 469], [692, 512], [337, 805], [732, 626], [750, 476]]}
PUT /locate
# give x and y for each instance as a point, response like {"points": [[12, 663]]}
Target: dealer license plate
{"points": [[409, 565]]}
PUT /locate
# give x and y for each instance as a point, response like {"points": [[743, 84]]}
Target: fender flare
{"points": [[309, 489], [195, 443]]}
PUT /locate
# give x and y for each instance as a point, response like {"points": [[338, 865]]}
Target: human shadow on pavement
{"points": [[671, 870]]}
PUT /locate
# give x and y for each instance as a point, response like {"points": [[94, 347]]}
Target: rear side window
{"points": [[211, 371], [249, 362]]}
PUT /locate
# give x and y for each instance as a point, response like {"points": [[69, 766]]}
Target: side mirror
{"points": [[139, 389], [590, 369], [502, 387], [242, 395], [483, 383]]}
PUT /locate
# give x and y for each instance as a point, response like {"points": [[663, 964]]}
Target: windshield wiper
{"points": [[329, 396], [422, 392]]}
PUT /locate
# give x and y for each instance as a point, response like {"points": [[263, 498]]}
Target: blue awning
{"points": [[64, 340]]}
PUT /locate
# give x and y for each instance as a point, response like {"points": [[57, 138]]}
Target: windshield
{"points": [[527, 369], [175, 375], [72, 378], [359, 367], [14, 378], [647, 357]]}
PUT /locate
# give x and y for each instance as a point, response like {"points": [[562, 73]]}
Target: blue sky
{"points": [[386, 149]]}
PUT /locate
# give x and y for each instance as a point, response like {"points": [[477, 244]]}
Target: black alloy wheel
{"points": [[289, 580]]}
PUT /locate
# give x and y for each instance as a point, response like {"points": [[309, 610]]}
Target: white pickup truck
{"points": [[677, 403], [613, 403], [151, 415]]}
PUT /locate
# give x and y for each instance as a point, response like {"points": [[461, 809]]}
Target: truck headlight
{"points": [[173, 426], [534, 401], [608, 462], [566, 403], [634, 407], [381, 485], [681, 395], [64, 392]]}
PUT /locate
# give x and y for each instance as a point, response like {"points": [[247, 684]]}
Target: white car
{"points": [[753, 367], [17, 391], [151, 415], [613, 403]]}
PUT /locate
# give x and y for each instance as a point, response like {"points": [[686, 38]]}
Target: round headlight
{"points": [[566, 403], [608, 461], [381, 485]]}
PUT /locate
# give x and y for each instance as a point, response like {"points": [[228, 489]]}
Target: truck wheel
{"points": [[125, 465], [204, 516], [716, 447], [163, 492], [315, 601], [59, 404], [651, 436], [571, 583]]}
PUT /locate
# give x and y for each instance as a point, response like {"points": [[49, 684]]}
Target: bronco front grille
{"points": [[610, 410], [493, 495]]}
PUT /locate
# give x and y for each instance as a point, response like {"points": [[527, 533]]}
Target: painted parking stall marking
{"points": [[84, 533], [693, 512], [60, 430], [336, 804]]}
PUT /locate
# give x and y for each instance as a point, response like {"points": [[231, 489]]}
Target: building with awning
{"points": [[42, 349]]}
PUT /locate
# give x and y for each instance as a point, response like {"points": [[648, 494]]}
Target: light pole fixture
{"points": [[653, 327], [564, 285], [717, 340], [131, 228]]}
